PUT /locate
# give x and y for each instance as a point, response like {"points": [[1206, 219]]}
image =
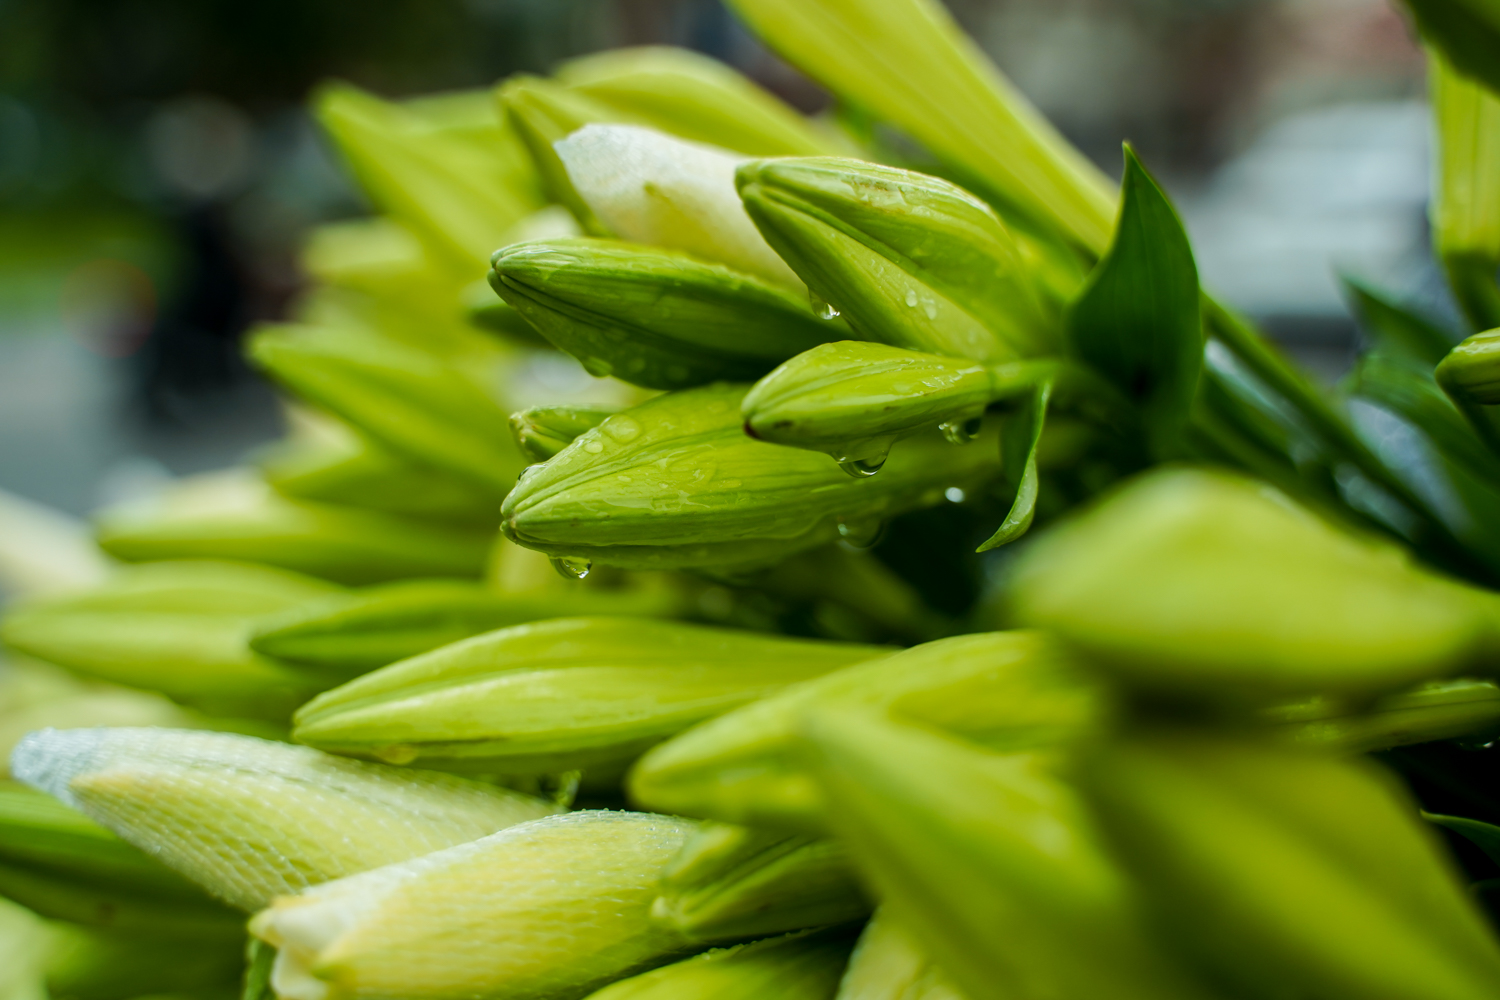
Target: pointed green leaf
{"points": [[1396, 329], [1138, 319], [1485, 836], [1022, 434]]}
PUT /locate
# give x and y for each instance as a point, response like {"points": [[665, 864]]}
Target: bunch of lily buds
{"points": [[619, 617]]}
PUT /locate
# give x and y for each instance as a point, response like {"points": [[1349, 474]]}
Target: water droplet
{"points": [[399, 753], [621, 428], [930, 308], [598, 367], [593, 446], [961, 431], [954, 494], [861, 533], [911, 298], [528, 470], [820, 308], [862, 468], [572, 567]]}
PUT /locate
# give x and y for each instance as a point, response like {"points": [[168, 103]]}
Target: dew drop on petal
{"points": [[572, 567], [960, 431]]}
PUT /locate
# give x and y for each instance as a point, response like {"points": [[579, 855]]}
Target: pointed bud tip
{"points": [[49, 759]]}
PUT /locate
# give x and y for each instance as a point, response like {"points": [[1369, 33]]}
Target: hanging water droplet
{"points": [[862, 468], [528, 470], [861, 533], [961, 431], [572, 567], [911, 298], [954, 495], [820, 308]]}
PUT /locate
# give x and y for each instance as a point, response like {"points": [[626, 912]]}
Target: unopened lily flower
{"points": [[555, 907], [675, 483], [908, 259], [557, 695], [1281, 871], [1011, 690], [251, 819], [652, 317], [1471, 371], [651, 188], [737, 882], [888, 965], [543, 431], [1139, 584], [794, 967]]}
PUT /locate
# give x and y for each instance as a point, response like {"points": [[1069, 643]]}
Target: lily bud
{"points": [[676, 483], [1438, 710], [233, 515], [968, 848], [888, 965], [651, 188], [794, 967], [411, 401], [1139, 584], [652, 317], [1471, 371], [737, 882], [1013, 690], [557, 695], [694, 97], [909, 260], [854, 396], [59, 863], [1290, 874], [354, 633], [543, 431], [556, 907], [250, 819], [181, 629]]}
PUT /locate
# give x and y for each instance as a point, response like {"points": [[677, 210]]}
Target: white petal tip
{"points": [[49, 759]]}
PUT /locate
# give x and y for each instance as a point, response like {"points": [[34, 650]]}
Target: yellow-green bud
{"points": [[1437, 710], [556, 695], [543, 431], [250, 819], [233, 515], [794, 967], [909, 260], [181, 629], [1290, 874], [675, 482], [1214, 586], [888, 965], [1471, 371], [355, 633], [655, 318], [557, 907], [738, 882]]}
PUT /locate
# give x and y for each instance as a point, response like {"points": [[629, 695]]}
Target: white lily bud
{"points": [[252, 819], [651, 188], [553, 908]]}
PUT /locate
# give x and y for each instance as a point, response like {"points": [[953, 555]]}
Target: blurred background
{"points": [[157, 175]]}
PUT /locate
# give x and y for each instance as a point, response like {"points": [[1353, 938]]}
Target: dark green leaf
{"points": [[1137, 320], [1484, 835], [1395, 329], [1468, 33], [1022, 434]]}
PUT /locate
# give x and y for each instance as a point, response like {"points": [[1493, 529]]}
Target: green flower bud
{"points": [[250, 819], [654, 318], [557, 907], [906, 62], [696, 98], [1012, 690], [737, 882], [413, 402], [460, 188], [232, 515], [910, 260], [855, 397], [1471, 371], [351, 471], [676, 483], [651, 188], [967, 849], [552, 696], [543, 431], [1288, 874], [1139, 584], [61, 864], [1438, 710], [794, 967], [178, 628], [91, 963], [888, 965], [354, 633]]}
